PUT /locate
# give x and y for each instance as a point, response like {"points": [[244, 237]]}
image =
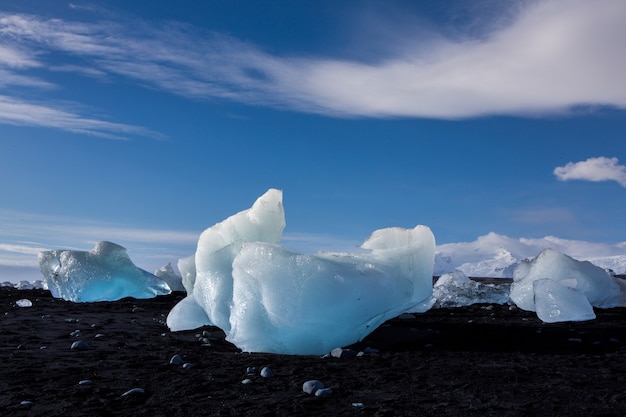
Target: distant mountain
{"points": [[495, 255]]}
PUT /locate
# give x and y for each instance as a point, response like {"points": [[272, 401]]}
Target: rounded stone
{"points": [[311, 386], [79, 345], [134, 391], [324, 392], [176, 360], [267, 372]]}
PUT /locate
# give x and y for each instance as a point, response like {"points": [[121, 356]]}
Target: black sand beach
{"points": [[473, 361]]}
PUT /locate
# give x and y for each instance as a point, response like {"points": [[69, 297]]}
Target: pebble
{"points": [[267, 372], [26, 403], [251, 370], [99, 335], [134, 391], [312, 386], [79, 345], [187, 365], [247, 381], [323, 392], [176, 360], [85, 382], [358, 405], [75, 333]]}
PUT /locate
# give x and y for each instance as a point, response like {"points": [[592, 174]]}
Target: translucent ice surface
{"points": [[555, 302], [105, 273], [173, 280], [594, 283], [455, 289], [270, 299]]}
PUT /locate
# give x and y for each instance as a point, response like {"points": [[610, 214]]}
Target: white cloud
{"points": [[593, 169], [553, 56], [17, 112]]}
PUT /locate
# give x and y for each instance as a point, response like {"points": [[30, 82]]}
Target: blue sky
{"points": [[145, 122]]}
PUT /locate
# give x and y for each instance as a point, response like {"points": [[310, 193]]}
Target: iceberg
{"points": [[105, 273], [268, 298], [594, 283]]}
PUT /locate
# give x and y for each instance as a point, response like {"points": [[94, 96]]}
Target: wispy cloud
{"points": [[593, 169], [24, 235], [554, 55], [16, 112]]}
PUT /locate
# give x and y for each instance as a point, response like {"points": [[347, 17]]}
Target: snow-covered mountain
{"points": [[495, 255]]}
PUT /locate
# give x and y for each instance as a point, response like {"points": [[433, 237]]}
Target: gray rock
{"points": [[311, 386], [79, 345], [133, 392], [323, 392], [267, 372], [176, 360]]}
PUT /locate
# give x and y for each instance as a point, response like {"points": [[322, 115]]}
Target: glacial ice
{"points": [[105, 273], [555, 302], [173, 280], [267, 298], [597, 286], [455, 289]]}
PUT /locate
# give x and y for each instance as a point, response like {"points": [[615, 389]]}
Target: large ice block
{"points": [[270, 299]]}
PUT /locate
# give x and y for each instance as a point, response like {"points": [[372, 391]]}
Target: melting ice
{"points": [[105, 273], [269, 299], [574, 287]]}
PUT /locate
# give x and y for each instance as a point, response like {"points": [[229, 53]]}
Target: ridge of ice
{"points": [[267, 298]]}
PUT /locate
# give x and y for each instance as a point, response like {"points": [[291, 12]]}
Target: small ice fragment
{"points": [[24, 302]]}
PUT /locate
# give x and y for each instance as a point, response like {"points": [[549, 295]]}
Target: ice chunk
{"points": [[218, 246], [621, 283], [186, 315], [455, 289], [173, 280], [207, 275], [270, 299], [24, 285], [105, 273], [285, 302], [555, 302], [24, 302], [594, 282], [39, 285], [187, 269]]}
